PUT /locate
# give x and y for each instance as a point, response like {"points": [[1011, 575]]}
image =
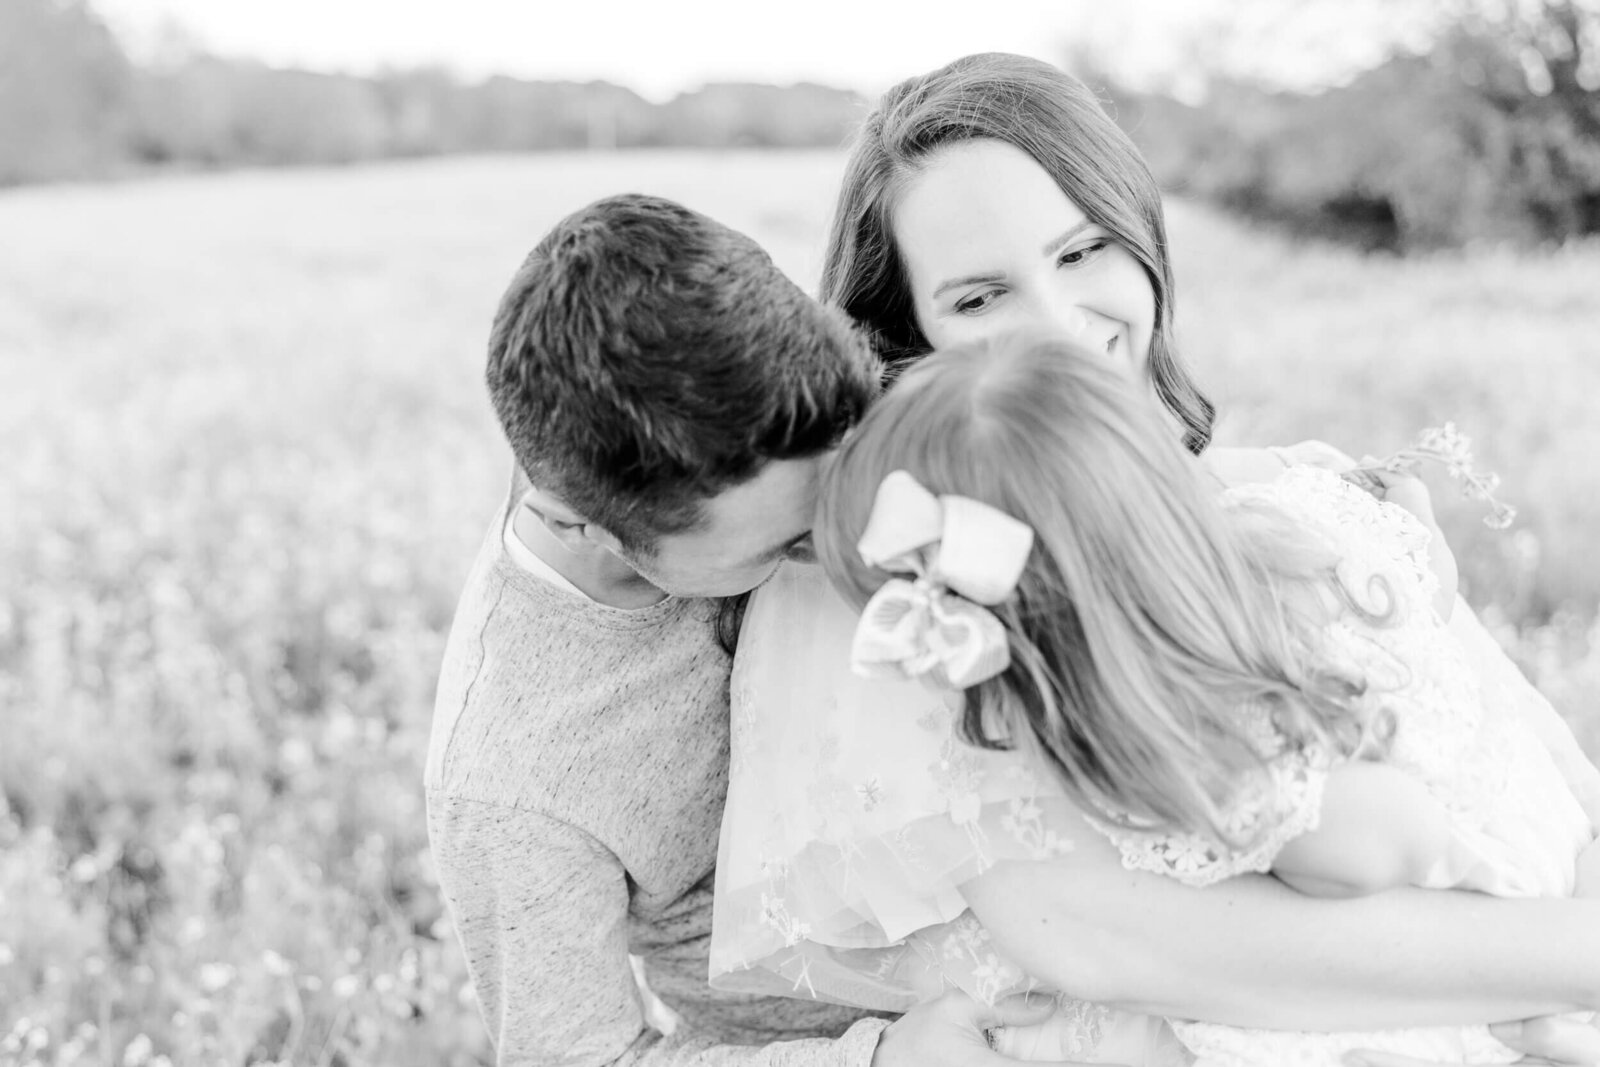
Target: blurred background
{"points": [[248, 257]]}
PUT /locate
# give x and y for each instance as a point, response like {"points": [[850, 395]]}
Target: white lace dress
{"points": [[854, 812]]}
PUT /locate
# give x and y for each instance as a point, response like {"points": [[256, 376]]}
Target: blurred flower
{"points": [[137, 1053], [346, 986], [215, 977]]}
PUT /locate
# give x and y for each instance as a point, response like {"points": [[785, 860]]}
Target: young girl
{"points": [[1213, 686]]}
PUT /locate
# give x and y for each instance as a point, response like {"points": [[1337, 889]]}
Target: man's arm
{"points": [[541, 910]]}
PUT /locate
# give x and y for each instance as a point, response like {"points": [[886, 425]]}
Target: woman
{"points": [[990, 194]]}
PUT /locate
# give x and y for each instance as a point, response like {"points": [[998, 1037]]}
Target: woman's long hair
{"points": [[1147, 619], [1055, 119]]}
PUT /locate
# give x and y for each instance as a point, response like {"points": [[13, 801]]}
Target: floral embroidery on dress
{"points": [[1024, 819], [958, 774], [1087, 1023], [967, 946]]}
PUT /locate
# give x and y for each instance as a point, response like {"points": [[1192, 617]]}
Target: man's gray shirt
{"points": [[575, 782]]}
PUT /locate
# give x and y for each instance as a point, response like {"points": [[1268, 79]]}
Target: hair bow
{"points": [[964, 555]]}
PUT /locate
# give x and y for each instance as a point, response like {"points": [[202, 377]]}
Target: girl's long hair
{"points": [[1055, 119], [1147, 619]]}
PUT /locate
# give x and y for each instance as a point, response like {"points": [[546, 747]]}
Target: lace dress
{"points": [[854, 812]]}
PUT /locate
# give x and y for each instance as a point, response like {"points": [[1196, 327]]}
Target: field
{"points": [[247, 457]]}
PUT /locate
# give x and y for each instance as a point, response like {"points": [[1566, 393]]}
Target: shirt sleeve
{"points": [[541, 911]]}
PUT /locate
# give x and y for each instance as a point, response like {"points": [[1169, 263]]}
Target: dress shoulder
{"points": [[855, 810]]}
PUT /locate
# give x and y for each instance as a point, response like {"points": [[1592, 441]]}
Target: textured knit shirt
{"points": [[575, 782]]}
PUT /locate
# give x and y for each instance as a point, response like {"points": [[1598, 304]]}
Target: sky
{"points": [[661, 48]]}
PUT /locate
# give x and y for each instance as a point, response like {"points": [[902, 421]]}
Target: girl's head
{"points": [[996, 193], [1145, 619]]}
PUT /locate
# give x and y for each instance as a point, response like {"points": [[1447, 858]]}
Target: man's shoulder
{"points": [[541, 691]]}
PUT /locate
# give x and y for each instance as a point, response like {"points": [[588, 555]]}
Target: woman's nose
{"points": [[1059, 317]]}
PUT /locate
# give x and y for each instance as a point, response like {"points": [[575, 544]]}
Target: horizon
{"points": [[1169, 46]]}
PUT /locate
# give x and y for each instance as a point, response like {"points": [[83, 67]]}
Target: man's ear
{"points": [[572, 531], [596, 534]]}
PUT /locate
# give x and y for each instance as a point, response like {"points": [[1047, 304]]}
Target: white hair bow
{"points": [[965, 556]]}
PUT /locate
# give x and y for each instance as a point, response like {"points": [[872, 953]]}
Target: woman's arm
{"points": [[1252, 952]]}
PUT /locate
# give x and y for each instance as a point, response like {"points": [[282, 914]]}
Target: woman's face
{"points": [[991, 243]]}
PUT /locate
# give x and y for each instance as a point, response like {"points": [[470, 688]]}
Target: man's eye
{"points": [[802, 551]]}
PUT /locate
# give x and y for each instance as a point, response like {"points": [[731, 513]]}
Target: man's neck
{"points": [[600, 575]]}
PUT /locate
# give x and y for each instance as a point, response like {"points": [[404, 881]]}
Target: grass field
{"points": [[246, 460]]}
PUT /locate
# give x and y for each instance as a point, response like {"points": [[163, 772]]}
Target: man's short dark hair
{"points": [[646, 357]]}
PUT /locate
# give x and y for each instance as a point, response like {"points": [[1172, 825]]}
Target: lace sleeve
{"points": [[1283, 803]]}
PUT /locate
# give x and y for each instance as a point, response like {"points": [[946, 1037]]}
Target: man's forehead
{"points": [[766, 512]]}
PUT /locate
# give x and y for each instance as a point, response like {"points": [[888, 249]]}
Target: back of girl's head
{"points": [[1056, 120], [1143, 622]]}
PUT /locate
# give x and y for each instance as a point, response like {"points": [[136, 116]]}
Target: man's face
{"points": [[748, 530]]}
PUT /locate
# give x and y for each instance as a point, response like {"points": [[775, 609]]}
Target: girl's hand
{"points": [[1551, 1042], [1407, 491], [1404, 489]]}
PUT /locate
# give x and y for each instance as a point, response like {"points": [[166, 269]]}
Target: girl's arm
{"points": [[1407, 491], [1380, 829], [1252, 952]]}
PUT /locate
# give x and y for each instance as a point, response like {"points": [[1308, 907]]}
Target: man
{"points": [[668, 395]]}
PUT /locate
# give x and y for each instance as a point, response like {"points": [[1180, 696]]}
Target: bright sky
{"points": [[659, 48]]}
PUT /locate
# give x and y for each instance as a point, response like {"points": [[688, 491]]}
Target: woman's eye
{"points": [[976, 303], [1082, 255]]}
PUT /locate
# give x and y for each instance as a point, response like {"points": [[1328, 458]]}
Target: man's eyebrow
{"points": [[1052, 247], [779, 549]]}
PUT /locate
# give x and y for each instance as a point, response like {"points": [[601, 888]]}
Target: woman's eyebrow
{"points": [[1052, 247]]}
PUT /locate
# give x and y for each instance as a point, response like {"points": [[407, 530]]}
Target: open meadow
{"points": [[247, 457]]}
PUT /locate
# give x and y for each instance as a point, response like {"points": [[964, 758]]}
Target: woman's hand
{"points": [[1554, 1041], [951, 1031], [1314, 454]]}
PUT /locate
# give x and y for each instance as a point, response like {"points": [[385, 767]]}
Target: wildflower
{"points": [[1450, 447], [276, 965], [346, 986]]}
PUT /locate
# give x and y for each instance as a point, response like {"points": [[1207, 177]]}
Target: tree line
{"points": [[1493, 134]]}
